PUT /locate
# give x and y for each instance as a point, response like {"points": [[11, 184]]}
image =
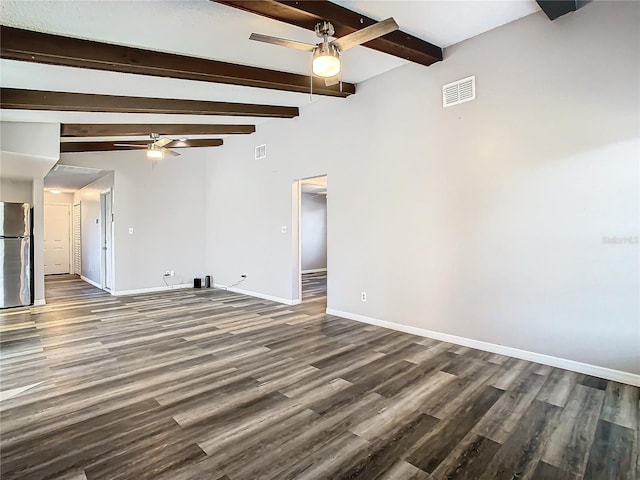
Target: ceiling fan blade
{"points": [[283, 42], [366, 34], [129, 145], [332, 80], [166, 151], [161, 142]]}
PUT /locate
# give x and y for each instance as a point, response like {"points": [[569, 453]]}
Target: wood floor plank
{"points": [[432, 449], [558, 387], [593, 382], [506, 413], [211, 384], [568, 445], [544, 471], [405, 471], [381, 454], [520, 454], [411, 401], [611, 454], [621, 405], [468, 460]]}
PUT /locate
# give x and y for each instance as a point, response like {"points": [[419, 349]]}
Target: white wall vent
{"points": [[261, 152], [459, 92]]}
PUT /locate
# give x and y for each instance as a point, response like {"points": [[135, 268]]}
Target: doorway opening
{"points": [[106, 240], [57, 238], [312, 239]]}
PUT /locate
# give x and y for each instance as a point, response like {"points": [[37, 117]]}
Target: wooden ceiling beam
{"points": [[15, 98], [140, 129], [73, 147], [29, 46], [306, 14]]}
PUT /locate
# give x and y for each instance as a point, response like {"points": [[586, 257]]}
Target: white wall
{"points": [[488, 220], [16, 191], [28, 149], [165, 206], [313, 231], [249, 201], [63, 198], [90, 226]]}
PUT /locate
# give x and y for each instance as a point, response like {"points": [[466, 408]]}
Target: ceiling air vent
{"points": [[261, 152], [459, 92]]}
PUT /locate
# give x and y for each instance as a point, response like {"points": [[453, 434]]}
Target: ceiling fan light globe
{"points": [[326, 61], [154, 154], [326, 66]]}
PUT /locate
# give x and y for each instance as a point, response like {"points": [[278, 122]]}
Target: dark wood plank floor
{"points": [[210, 384]]}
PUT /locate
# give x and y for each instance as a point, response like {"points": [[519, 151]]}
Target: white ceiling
{"points": [[445, 22], [202, 28], [206, 29]]}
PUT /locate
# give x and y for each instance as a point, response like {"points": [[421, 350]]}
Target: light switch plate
{"points": [[130, 230], [283, 229]]}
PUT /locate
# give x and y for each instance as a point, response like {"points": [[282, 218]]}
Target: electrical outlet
{"points": [[363, 296], [171, 273], [167, 273]]}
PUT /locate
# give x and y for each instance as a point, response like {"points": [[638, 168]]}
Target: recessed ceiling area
{"points": [[69, 178]]}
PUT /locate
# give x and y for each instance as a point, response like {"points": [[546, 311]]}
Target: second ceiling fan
{"points": [[156, 149], [326, 54]]}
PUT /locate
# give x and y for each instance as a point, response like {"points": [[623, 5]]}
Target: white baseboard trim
{"points": [[91, 282], [596, 371], [39, 303], [314, 270], [163, 288], [258, 295]]}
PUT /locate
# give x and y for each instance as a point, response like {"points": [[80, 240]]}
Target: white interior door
{"points": [[56, 239]]}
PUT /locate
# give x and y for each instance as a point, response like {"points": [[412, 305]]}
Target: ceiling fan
{"points": [[156, 149], [326, 54]]}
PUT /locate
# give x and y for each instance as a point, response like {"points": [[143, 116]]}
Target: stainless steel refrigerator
{"points": [[16, 255]]}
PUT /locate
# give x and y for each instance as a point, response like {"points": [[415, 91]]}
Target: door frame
{"points": [[75, 267], [69, 233], [103, 238], [296, 232]]}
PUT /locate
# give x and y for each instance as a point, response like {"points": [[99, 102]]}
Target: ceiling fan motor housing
{"points": [[325, 28]]}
